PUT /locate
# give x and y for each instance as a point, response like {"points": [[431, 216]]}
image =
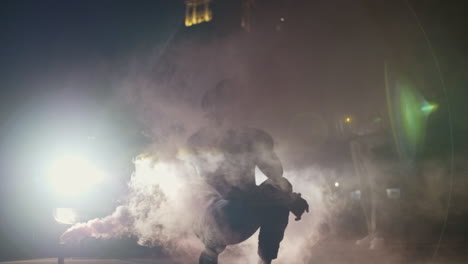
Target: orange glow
{"points": [[197, 11]]}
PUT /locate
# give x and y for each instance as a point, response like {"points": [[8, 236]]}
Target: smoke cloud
{"points": [[165, 200], [164, 193], [282, 90]]}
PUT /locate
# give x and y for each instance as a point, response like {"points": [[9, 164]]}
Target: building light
{"points": [[197, 11]]}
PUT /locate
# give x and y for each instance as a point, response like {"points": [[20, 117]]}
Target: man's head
{"points": [[221, 102]]}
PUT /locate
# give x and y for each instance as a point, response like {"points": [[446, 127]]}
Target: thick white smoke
{"points": [[166, 198], [160, 210], [294, 86]]}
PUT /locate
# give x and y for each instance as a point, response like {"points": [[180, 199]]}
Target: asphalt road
{"points": [[327, 251], [90, 261]]}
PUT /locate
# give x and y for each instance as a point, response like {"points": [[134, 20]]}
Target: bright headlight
{"points": [[71, 175]]}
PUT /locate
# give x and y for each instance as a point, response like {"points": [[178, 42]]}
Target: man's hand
{"points": [[298, 206]]}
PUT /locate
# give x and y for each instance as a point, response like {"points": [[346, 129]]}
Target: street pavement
{"points": [[91, 261], [326, 251]]}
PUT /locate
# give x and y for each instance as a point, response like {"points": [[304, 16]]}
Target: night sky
{"points": [[59, 62]]}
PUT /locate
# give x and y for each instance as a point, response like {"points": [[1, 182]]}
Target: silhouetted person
{"points": [[369, 167], [225, 156]]}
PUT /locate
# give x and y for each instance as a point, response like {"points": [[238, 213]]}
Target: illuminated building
{"points": [[197, 11], [200, 11]]}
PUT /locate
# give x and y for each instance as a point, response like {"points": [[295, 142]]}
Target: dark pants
{"points": [[229, 222]]}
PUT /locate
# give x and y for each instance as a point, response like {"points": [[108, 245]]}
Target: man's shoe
{"points": [[376, 243], [364, 242], [206, 258], [264, 261]]}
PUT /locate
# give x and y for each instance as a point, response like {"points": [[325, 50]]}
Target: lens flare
{"points": [[71, 175], [409, 113], [428, 107]]}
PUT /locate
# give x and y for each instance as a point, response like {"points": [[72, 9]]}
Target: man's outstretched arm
{"points": [[269, 163], [267, 160]]}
